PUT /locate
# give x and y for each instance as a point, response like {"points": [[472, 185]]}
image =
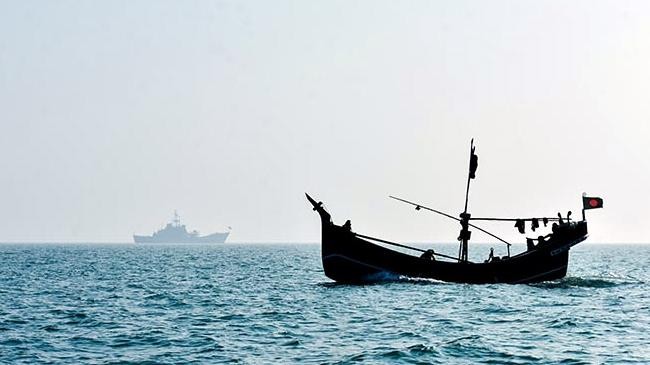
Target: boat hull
{"points": [[218, 237], [347, 258]]}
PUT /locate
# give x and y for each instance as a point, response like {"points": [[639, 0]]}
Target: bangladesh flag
{"points": [[591, 202]]}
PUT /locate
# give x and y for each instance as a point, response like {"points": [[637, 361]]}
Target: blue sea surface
{"points": [[271, 303]]}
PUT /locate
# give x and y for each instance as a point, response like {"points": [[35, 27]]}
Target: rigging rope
{"points": [[419, 206], [513, 219], [403, 246]]}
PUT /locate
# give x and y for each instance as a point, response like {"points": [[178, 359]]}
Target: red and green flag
{"points": [[589, 202]]}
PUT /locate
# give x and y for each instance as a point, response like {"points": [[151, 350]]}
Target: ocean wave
{"points": [[587, 282], [418, 353], [475, 349], [198, 305]]}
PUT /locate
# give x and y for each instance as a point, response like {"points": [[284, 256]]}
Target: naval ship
{"points": [[175, 232]]}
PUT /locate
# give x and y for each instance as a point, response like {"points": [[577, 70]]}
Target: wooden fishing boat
{"points": [[350, 257]]}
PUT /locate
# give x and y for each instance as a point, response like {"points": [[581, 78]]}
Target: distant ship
{"points": [[175, 232]]}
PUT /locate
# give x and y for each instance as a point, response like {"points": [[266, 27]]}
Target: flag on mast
{"points": [[589, 202]]}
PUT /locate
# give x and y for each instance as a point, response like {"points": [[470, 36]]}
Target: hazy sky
{"points": [[115, 113]]}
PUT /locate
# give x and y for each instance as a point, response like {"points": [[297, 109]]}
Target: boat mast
{"points": [[177, 219], [465, 233]]}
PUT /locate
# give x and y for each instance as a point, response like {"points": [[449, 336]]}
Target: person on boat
{"points": [[559, 216], [347, 226], [429, 255], [491, 256], [530, 245]]}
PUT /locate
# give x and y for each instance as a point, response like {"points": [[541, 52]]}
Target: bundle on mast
{"points": [[465, 233]]}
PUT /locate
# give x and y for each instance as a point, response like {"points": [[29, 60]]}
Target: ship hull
{"points": [[219, 237]]}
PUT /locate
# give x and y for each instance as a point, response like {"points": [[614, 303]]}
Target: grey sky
{"points": [[115, 113]]}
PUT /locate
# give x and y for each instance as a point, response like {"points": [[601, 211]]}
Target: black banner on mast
{"points": [[473, 162]]}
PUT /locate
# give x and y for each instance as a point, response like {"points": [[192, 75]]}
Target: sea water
{"points": [[271, 304]]}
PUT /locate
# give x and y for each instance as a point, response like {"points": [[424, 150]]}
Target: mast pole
{"points": [[467, 189], [464, 221]]}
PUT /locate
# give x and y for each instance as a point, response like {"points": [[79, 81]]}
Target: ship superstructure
{"points": [[175, 232]]}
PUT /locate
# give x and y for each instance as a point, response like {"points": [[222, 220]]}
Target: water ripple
{"points": [[250, 304]]}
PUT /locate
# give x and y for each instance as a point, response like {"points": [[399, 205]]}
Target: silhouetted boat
{"points": [[175, 232], [349, 257]]}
